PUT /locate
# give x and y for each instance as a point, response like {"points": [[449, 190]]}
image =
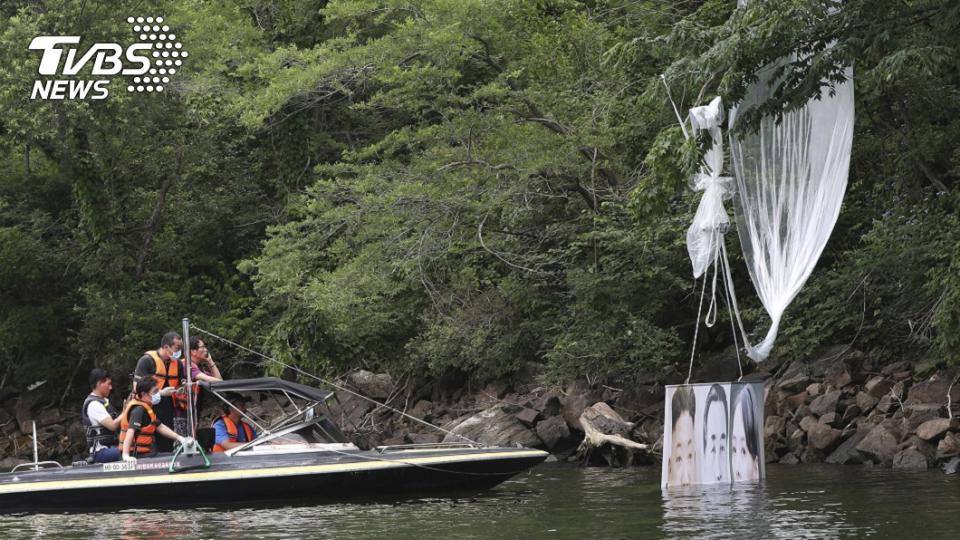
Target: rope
{"points": [[733, 328], [333, 384], [696, 331]]}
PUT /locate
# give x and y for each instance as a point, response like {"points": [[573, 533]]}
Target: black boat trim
{"points": [[270, 472]]}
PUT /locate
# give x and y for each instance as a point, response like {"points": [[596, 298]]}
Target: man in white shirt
{"points": [[99, 419]]}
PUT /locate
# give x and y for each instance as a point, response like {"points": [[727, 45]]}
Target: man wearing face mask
{"points": [[163, 365]]}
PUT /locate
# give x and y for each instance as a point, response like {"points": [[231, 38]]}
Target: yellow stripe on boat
{"points": [[207, 476]]}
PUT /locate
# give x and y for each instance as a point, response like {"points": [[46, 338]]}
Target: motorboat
{"points": [[299, 455]]}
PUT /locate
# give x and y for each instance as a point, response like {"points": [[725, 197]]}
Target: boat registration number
{"points": [[120, 466]]}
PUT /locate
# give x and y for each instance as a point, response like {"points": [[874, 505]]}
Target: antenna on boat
{"points": [[36, 456]]}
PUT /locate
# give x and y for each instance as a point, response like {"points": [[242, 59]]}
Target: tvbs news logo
{"points": [[146, 66]]}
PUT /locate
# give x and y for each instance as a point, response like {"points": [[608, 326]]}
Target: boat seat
{"points": [[206, 437]]}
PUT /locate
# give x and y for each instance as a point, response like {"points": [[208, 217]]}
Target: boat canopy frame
{"points": [[304, 416]]}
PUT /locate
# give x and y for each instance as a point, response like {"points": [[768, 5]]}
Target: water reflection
{"points": [[569, 502], [752, 511]]}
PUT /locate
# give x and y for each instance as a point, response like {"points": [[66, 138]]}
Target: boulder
{"points": [[850, 414], [827, 403], [910, 459], [632, 400], [422, 410], [886, 404], [933, 390], [866, 402], [496, 426], [773, 427], [837, 376], [795, 383], [8, 463], [896, 367], [879, 444], [814, 389], [846, 453], [949, 446], [375, 385], [807, 422], [933, 429], [878, 387], [789, 459], [48, 417], [423, 438], [913, 418], [549, 404], [829, 419], [577, 401], [952, 466], [553, 432], [812, 455], [528, 416], [822, 437], [796, 401], [796, 440]]}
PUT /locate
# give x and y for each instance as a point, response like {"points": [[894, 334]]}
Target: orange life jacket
{"points": [[233, 432], [143, 443], [169, 375]]}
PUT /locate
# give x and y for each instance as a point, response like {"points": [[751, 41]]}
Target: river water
{"points": [[560, 501]]}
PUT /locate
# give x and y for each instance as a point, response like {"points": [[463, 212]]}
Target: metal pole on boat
{"points": [[36, 457], [188, 365]]}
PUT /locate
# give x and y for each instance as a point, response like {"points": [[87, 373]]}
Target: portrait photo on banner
{"points": [[712, 434]]}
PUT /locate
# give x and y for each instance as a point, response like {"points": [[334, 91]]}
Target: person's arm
{"points": [[222, 437], [212, 377], [127, 442], [169, 433], [214, 370]]}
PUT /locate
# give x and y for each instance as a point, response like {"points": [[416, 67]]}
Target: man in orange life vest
{"points": [[231, 430], [139, 425], [163, 365]]}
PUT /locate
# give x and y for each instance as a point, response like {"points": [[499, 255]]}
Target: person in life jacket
{"points": [[99, 419], [231, 430], [163, 366], [139, 425]]}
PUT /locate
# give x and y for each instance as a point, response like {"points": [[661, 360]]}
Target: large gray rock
{"points": [[910, 459], [879, 444], [374, 385], [554, 433], [952, 466], [949, 446], [773, 427], [866, 402], [496, 426], [577, 400], [933, 390], [932, 429], [846, 453], [827, 403], [822, 436], [8, 463], [878, 387]]}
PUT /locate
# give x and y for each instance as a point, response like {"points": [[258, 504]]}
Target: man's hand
{"points": [[167, 392], [129, 459]]}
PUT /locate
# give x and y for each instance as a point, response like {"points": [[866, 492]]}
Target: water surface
{"points": [[558, 501]]}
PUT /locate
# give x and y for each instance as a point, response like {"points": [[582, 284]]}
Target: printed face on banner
{"points": [[711, 434]]}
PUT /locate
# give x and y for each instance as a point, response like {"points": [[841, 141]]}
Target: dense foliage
{"points": [[483, 186]]}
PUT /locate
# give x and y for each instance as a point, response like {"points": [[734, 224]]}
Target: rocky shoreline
{"points": [[838, 408]]}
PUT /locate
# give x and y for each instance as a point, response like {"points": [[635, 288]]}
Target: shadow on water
{"points": [[555, 501]]}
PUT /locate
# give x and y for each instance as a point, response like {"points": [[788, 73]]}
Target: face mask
{"points": [[155, 398], [176, 355]]}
